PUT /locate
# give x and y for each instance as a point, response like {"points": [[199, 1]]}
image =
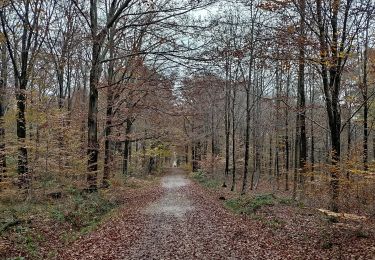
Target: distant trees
{"points": [[67, 56], [294, 58], [260, 87]]}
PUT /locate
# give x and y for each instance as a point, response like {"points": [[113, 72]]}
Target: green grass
{"points": [[57, 214], [246, 205], [204, 180], [250, 206], [199, 176], [286, 201], [31, 245]]}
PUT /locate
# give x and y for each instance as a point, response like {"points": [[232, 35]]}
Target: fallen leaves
{"points": [[189, 222]]}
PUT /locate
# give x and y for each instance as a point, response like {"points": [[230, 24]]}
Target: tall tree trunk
{"points": [[21, 77], [227, 119], [92, 125], [97, 38], [125, 165], [21, 85], [312, 140], [108, 143], [270, 160], [233, 138], [109, 113], [301, 139], [213, 141], [287, 134], [247, 125], [92, 122], [333, 53], [21, 134], [3, 84], [279, 77], [256, 132], [365, 97]]}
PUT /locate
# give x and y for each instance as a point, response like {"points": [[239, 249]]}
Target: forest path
{"points": [[183, 222]]}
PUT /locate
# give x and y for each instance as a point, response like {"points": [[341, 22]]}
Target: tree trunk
{"points": [[92, 125], [92, 122], [213, 145], [233, 139], [3, 84], [365, 97], [333, 53], [247, 125], [97, 38], [125, 165], [278, 123], [227, 121], [109, 113], [301, 101], [312, 140], [287, 135], [21, 77], [270, 160]]}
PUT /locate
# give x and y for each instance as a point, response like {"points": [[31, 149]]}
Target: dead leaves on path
{"points": [[211, 232], [114, 237]]}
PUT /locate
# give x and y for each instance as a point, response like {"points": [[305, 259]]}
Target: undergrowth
{"points": [[249, 205], [77, 211], [204, 180]]}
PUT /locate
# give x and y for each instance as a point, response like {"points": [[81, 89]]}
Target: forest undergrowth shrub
{"points": [[356, 192], [85, 209], [201, 177], [81, 211], [250, 205], [186, 167]]}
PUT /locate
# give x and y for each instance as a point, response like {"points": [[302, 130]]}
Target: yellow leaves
{"points": [[3, 3], [350, 98], [360, 172], [323, 53], [336, 6], [291, 29], [35, 116], [9, 117], [160, 151], [342, 54], [2, 37]]}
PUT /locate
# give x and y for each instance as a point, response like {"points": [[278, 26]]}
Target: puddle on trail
{"points": [[174, 202]]}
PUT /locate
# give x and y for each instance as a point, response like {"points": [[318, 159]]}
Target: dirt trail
{"points": [[181, 220], [180, 223]]}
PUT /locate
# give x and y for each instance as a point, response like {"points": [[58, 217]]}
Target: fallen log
{"points": [[345, 216]]}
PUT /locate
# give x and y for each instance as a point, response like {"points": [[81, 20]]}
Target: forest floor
{"points": [[181, 219], [189, 217], [43, 227]]}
